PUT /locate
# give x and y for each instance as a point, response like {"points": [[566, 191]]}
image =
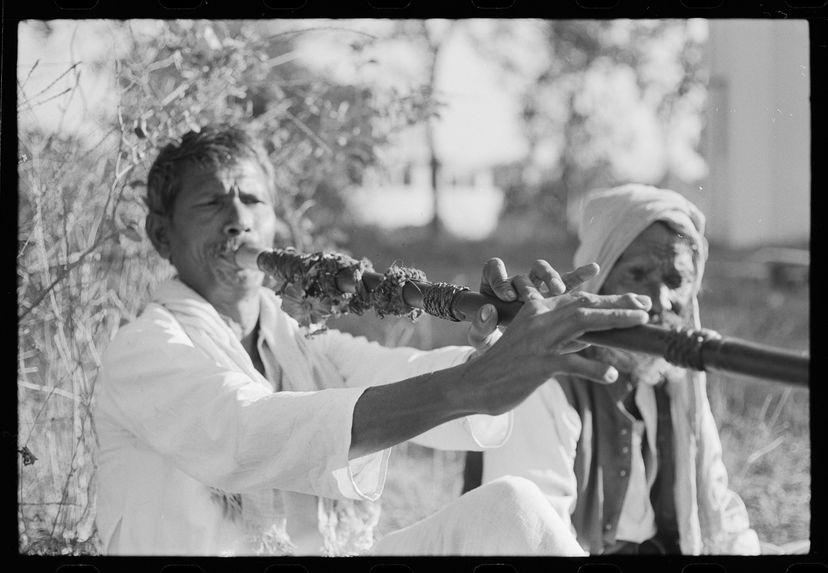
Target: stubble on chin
{"points": [[236, 278]]}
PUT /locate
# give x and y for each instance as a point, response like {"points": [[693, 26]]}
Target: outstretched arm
{"points": [[528, 354]]}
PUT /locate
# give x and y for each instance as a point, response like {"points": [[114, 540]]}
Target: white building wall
{"points": [[758, 133]]}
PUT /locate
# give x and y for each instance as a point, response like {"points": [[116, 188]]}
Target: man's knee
{"points": [[514, 492], [513, 487], [518, 506]]}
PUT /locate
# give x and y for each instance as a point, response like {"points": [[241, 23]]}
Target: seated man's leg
{"points": [[508, 516]]}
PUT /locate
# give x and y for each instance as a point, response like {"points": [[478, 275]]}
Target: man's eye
{"points": [[676, 281], [637, 274]]}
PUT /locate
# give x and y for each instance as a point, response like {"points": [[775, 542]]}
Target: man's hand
{"points": [[496, 282], [538, 345], [483, 332], [529, 352]]}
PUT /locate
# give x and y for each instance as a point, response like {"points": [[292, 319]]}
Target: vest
{"points": [[602, 463]]}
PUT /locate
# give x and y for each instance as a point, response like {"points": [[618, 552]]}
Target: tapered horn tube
{"points": [[697, 349]]}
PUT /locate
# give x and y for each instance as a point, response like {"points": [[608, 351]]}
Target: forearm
{"points": [[495, 383], [387, 415], [366, 363]]}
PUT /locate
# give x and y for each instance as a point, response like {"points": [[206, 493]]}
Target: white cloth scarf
{"points": [[610, 222], [343, 523]]}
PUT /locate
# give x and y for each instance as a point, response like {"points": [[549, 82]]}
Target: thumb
{"points": [[591, 369], [483, 325]]}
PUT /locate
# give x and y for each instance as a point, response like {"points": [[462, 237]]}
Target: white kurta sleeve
{"points": [[226, 430], [365, 363]]}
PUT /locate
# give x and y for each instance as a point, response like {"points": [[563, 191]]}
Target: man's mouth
{"points": [[228, 253], [225, 251]]}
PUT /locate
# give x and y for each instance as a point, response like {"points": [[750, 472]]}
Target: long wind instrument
{"points": [[315, 287]]}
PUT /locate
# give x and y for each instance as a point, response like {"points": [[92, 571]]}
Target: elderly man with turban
{"points": [[635, 466]]}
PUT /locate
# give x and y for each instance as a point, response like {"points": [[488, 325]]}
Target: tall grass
{"points": [[764, 426], [80, 275]]}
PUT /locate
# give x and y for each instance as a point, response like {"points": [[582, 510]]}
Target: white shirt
{"points": [[637, 520], [178, 412]]}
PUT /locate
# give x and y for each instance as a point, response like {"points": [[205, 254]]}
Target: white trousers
{"points": [[507, 516]]}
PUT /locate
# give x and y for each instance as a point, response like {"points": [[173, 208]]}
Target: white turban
{"points": [[612, 219]]}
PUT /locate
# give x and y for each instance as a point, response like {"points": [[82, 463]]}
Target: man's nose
{"points": [[239, 219], [660, 296]]}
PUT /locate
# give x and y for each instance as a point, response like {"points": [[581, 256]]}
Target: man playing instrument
{"points": [[225, 430], [633, 467]]}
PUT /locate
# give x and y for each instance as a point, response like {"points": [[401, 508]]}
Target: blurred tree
{"points": [[613, 101], [322, 134], [429, 38], [435, 38]]}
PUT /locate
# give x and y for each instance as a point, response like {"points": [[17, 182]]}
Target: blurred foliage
{"points": [[83, 265], [322, 135], [431, 37], [609, 93]]}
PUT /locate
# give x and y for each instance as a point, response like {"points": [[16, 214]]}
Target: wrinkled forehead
{"points": [[661, 241], [245, 173]]}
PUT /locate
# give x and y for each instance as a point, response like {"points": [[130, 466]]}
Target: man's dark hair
{"points": [[214, 146]]}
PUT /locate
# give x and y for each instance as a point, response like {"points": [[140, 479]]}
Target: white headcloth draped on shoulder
{"points": [[610, 222], [612, 219]]}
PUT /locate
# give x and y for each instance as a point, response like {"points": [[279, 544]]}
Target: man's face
{"points": [[659, 264], [216, 211]]}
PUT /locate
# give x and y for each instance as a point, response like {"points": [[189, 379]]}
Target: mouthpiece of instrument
{"points": [[247, 257]]}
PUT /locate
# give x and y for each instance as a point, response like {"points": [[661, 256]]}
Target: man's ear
{"points": [[157, 227]]}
